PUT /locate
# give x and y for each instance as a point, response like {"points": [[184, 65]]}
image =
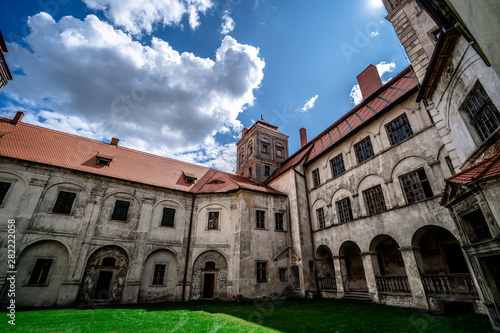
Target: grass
{"points": [[283, 316]]}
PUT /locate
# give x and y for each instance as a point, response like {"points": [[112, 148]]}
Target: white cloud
{"points": [[151, 97], [382, 68], [309, 104], [227, 24], [374, 33], [140, 16]]}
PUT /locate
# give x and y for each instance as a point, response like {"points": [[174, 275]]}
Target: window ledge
{"points": [[261, 228], [280, 230]]}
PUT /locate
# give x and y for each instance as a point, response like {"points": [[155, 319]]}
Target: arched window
{"points": [[210, 265]]}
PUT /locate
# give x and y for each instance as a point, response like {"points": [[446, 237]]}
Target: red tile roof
{"points": [[388, 95], [41, 145], [489, 168]]}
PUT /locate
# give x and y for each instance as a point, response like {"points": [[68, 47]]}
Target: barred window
{"points": [[321, 217], [4, 188], [337, 164], [364, 150], [283, 275], [344, 210], [40, 271], [64, 202], [399, 129], [121, 210], [168, 217], [261, 272], [261, 219], [159, 275], [374, 200], [213, 220], [279, 221], [316, 179], [482, 113], [416, 186]]}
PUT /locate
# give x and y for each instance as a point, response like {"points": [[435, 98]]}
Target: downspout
{"points": [[187, 250], [311, 231]]}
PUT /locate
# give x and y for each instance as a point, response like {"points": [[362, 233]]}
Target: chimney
{"points": [[17, 118], [244, 132], [369, 81], [114, 141], [303, 137]]}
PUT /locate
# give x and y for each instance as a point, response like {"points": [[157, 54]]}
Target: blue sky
{"points": [[181, 78]]}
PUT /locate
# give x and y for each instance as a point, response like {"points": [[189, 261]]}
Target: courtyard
{"points": [[325, 315]]}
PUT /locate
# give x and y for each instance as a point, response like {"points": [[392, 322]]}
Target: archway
{"points": [[326, 270], [389, 269], [104, 276], [159, 277], [353, 270], [209, 276]]}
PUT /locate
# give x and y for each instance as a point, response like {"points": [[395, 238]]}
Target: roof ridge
{"points": [[472, 167]]}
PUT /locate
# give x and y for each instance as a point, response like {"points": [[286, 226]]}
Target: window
{"points": [[264, 148], [242, 158], [102, 161], [278, 217], [337, 164], [283, 275], [4, 188], [40, 272], [250, 172], [121, 210], [279, 152], [344, 210], [364, 150], [476, 227], [250, 148], [213, 220], [374, 200], [321, 217], [158, 275], [316, 179], [399, 129], [261, 272], [261, 219], [416, 186], [190, 180], [108, 261], [267, 169], [167, 220], [449, 164], [64, 202], [482, 113]]}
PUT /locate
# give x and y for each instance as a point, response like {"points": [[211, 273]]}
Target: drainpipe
{"points": [[187, 250], [311, 231]]}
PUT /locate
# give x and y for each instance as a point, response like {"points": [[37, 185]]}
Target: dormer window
{"points": [[189, 178], [103, 160]]}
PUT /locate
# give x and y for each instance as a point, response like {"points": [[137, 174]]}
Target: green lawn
{"points": [[283, 316]]}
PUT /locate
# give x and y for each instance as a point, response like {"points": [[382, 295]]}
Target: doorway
{"points": [[103, 284], [208, 285]]}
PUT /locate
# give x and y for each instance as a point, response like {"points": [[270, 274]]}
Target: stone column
{"points": [[371, 281], [133, 282], [339, 266], [411, 258]]}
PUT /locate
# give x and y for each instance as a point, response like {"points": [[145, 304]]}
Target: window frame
{"points": [[342, 210], [424, 186], [267, 170], [3, 196], [40, 273], [369, 191], [155, 277], [471, 120], [261, 271], [402, 128], [114, 214], [340, 164], [320, 216], [163, 218], [316, 177], [260, 219], [265, 148], [364, 153], [218, 219], [284, 276], [279, 222], [62, 203]]}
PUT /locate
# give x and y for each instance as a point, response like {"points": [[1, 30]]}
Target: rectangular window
{"points": [[279, 221], [337, 164], [264, 148], [476, 227], [321, 217], [250, 172], [344, 210], [267, 169], [279, 152], [40, 272], [64, 202], [374, 200], [482, 113], [316, 179], [261, 219], [121, 210], [399, 129], [167, 220], [4, 188], [283, 275], [213, 220], [416, 186], [261, 272], [364, 150], [159, 275]]}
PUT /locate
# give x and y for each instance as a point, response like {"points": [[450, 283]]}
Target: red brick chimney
{"points": [[114, 141], [369, 81], [17, 118], [303, 137], [244, 132]]}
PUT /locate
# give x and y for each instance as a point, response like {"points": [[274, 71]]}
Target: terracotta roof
{"points": [[489, 168], [386, 96], [41, 145]]}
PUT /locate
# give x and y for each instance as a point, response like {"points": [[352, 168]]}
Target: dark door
{"points": [[208, 285], [103, 283]]}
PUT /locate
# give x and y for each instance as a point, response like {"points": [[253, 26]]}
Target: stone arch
{"points": [[335, 152], [324, 262], [395, 172], [102, 282], [361, 136], [199, 280], [70, 184], [45, 291], [389, 258], [159, 285], [390, 117], [352, 267]]}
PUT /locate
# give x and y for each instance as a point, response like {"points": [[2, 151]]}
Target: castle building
{"points": [[396, 202]]}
